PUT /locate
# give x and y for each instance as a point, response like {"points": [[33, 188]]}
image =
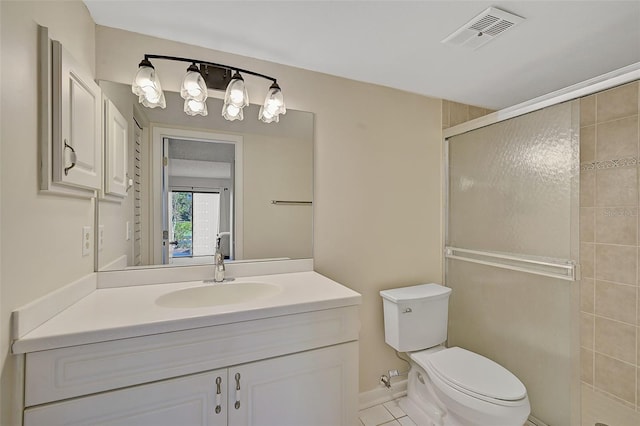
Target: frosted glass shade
{"points": [[273, 105], [195, 107], [193, 85], [235, 98], [146, 85], [232, 112], [236, 93], [153, 102]]}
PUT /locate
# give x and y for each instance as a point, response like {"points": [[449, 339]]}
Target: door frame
{"points": [[156, 199]]}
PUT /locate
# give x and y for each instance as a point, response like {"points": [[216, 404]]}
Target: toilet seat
{"points": [[473, 375]]}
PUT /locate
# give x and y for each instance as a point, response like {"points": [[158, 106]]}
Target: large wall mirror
{"points": [[191, 179]]}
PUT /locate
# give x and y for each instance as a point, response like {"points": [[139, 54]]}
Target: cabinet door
{"points": [[314, 388], [185, 401], [76, 123], [116, 148]]}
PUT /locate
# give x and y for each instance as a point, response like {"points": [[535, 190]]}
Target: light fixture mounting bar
{"points": [[198, 61]]}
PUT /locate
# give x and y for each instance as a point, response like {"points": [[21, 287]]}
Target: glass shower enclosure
{"points": [[511, 251]]}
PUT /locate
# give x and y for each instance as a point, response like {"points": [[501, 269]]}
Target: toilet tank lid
{"points": [[415, 292]]}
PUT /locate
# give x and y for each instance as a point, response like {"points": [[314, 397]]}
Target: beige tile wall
{"points": [[454, 113], [609, 242]]}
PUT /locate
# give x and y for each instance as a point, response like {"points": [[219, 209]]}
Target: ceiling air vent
{"points": [[483, 28]]}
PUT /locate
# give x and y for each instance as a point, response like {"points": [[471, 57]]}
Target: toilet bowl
{"points": [[447, 386]]}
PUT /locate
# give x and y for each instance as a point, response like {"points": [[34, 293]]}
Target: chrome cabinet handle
{"points": [[237, 404], [72, 157], [218, 395]]}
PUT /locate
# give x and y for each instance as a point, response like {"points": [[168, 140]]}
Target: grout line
{"points": [[616, 359], [612, 282], [613, 397], [612, 120], [594, 315]]}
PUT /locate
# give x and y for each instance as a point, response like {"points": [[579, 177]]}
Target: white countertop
{"points": [[124, 312]]}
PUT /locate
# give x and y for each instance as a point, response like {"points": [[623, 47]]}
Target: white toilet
{"points": [[447, 386]]}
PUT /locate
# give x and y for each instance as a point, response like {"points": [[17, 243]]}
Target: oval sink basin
{"points": [[217, 294]]}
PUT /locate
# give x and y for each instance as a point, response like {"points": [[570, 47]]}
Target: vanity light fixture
{"points": [[202, 76]]}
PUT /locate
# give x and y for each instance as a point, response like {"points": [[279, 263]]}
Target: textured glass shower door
{"points": [[511, 250]]}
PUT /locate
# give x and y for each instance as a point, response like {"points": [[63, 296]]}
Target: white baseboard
{"points": [[535, 422], [382, 394]]}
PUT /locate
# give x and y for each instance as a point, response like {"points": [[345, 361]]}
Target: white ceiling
{"points": [[397, 43]]}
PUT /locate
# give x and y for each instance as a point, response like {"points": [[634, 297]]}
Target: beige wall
{"points": [[277, 168], [41, 234], [377, 174], [610, 347]]}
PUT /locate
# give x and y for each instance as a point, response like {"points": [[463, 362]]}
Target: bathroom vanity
{"points": [[264, 350]]}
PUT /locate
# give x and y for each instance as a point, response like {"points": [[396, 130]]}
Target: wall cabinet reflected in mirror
{"points": [[116, 151], [195, 177]]}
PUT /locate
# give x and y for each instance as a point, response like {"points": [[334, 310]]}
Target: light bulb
{"points": [[236, 93], [151, 94], [232, 112], [154, 102], [193, 85], [195, 107], [237, 96]]}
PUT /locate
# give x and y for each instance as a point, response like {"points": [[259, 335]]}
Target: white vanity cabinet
{"points": [[307, 389], [290, 370]]}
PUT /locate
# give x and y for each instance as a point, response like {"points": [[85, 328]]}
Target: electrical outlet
{"points": [[86, 240], [128, 231], [100, 237]]}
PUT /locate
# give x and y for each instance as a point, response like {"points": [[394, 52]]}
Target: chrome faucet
{"points": [[218, 260]]}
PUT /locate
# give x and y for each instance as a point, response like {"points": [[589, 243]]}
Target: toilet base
{"points": [[416, 414]]}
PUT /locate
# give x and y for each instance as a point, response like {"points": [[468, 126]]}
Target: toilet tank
{"points": [[415, 317]]}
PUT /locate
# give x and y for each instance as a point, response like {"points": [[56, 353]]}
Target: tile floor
{"points": [[390, 414], [387, 414]]}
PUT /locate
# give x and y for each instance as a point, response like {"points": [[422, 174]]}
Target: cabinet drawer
{"points": [[80, 370]]}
